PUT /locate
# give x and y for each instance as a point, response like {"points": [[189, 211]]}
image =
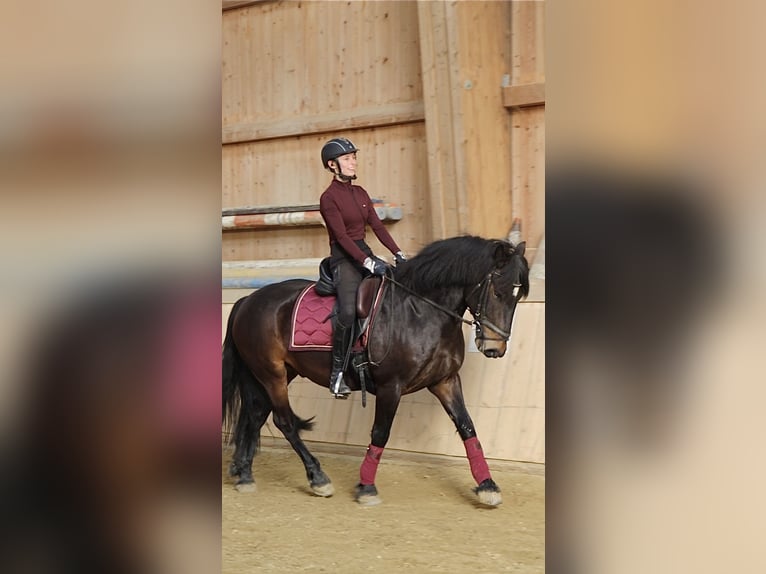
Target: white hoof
{"points": [[325, 490], [489, 497], [369, 500], [246, 487]]}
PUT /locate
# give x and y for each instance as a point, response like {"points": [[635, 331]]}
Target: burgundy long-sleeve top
{"points": [[346, 209]]}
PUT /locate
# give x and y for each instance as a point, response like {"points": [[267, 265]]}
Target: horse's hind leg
{"points": [[254, 411], [291, 426], [450, 395]]}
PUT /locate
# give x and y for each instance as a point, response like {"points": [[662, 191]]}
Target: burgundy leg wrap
{"points": [[479, 468], [370, 464]]}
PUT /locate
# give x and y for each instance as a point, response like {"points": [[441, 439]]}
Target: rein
{"points": [[450, 312], [430, 302], [478, 321]]}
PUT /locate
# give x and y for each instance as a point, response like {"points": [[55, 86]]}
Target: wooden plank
{"points": [[271, 264], [527, 43], [253, 210], [524, 95], [295, 219], [527, 130], [528, 170], [231, 4], [441, 96], [267, 220], [336, 121], [384, 210], [484, 122], [392, 167]]}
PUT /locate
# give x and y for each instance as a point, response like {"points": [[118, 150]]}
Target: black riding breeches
{"points": [[348, 275]]}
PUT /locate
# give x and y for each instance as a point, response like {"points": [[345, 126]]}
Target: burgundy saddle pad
{"points": [[311, 327]]}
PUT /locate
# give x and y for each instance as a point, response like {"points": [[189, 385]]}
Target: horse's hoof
{"points": [[324, 490], [367, 495], [489, 493], [245, 487], [320, 483], [369, 500], [489, 498]]}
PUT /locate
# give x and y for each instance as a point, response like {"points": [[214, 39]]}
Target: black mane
{"points": [[455, 262]]}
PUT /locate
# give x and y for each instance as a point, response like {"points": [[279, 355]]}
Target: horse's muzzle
{"points": [[490, 348]]}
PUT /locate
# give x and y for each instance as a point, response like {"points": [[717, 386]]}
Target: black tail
{"points": [[245, 403], [232, 364]]}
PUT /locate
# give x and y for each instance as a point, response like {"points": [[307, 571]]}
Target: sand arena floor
{"points": [[429, 521]]}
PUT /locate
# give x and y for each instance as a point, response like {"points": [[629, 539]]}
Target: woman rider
{"points": [[346, 210]]}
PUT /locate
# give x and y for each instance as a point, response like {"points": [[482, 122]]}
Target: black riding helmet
{"points": [[335, 148]]}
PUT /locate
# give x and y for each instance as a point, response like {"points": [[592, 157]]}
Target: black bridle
{"points": [[478, 315]]}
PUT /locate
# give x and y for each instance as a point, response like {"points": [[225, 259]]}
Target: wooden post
{"points": [[527, 87], [465, 49], [484, 51], [441, 97]]}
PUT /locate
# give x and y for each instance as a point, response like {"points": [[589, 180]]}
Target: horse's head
{"points": [[493, 301]]}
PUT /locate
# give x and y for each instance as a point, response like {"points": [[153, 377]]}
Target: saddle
{"points": [[365, 295], [313, 315], [313, 320]]}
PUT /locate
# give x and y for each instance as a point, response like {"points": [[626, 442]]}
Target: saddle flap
{"points": [[365, 296]]}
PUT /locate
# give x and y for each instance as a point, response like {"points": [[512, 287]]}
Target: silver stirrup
{"points": [[335, 387]]}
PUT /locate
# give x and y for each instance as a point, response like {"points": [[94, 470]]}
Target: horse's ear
{"points": [[503, 253], [521, 247]]}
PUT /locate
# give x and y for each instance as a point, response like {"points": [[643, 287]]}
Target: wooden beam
{"points": [[527, 68], [231, 4], [369, 117], [524, 95], [384, 209], [309, 217]]}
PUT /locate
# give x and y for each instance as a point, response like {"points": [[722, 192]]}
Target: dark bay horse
{"points": [[416, 343]]}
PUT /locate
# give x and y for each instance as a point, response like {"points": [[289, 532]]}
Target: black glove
{"points": [[375, 266]]}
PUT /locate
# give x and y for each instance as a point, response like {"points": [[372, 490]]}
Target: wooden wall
{"points": [[296, 74], [288, 171], [444, 101]]}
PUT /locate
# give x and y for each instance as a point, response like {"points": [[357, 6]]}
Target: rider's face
{"points": [[347, 163]]}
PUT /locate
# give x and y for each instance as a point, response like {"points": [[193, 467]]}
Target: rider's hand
{"points": [[400, 257], [375, 266]]}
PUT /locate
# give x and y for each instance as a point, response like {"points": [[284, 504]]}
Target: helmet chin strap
{"points": [[342, 175]]}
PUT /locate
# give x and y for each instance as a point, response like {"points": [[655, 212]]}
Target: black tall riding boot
{"points": [[341, 340]]}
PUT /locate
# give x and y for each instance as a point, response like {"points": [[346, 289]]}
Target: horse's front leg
{"points": [[386, 403], [450, 395]]}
